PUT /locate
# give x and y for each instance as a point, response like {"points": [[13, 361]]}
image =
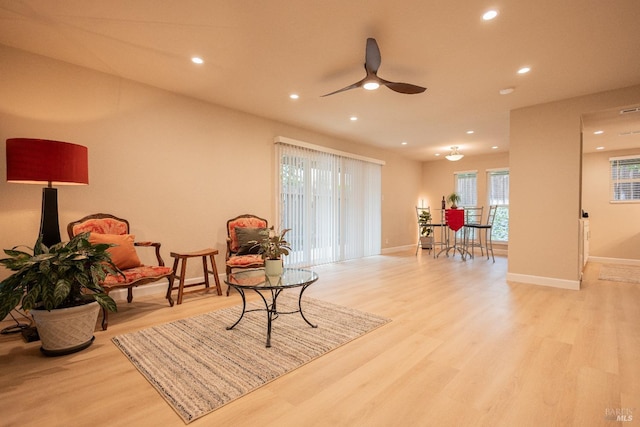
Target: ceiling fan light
{"points": [[454, 156], [371, 85]]}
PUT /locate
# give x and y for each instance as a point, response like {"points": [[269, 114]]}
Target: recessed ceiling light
{"points": [[507, 90], [495, 147], [524, 70], [404, 143], [353, 118], [294, 96], [437, 154], [598, 132], [469, 132], [197, 60], [599, 148], [489, 15]]}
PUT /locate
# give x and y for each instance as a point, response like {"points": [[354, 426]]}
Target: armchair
{"points": [[240, 230], [106, 228]]}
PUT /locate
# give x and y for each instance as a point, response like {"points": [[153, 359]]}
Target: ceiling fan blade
{"points": [[403, 87], [372, 57], [353, 86]]}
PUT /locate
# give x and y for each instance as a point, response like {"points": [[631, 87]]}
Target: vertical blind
{"points": [[625, 178], [467, 187], [498, 187], [331, 203]]}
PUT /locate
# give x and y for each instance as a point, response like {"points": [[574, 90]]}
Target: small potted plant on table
{"points": [[60, 287], [454, 199], [272, 248]]}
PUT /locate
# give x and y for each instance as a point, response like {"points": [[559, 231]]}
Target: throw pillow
{"points": [[124, 254], [247, 236]]}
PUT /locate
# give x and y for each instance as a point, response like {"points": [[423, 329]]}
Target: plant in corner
{"points": [[426, 230], [454, 199], [63, 279], [272, 248]]}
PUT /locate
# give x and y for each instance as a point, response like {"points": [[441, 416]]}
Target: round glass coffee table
{"points": [[269, 288]]}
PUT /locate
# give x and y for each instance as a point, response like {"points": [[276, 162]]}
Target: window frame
{"points": [[500, 214], [615, 163]]}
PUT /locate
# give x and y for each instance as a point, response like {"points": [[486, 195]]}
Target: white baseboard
{"points": [[604, 260], [391, 250], [573, 285]]}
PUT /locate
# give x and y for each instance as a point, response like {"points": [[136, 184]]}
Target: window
{"points": [[625, 178], [498, 194], [467, 188], [331, 203]]}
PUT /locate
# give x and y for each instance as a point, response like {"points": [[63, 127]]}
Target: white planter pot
{"points": [[426, 242], [66, 330], [273, 267]]}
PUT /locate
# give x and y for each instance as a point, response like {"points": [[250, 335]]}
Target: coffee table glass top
{"points": [[256, 279]]}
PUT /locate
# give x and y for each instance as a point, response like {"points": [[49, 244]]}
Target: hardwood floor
{"points": [[464, 348]]}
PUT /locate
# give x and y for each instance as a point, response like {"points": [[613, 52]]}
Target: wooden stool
{"points": [[184, 257]]}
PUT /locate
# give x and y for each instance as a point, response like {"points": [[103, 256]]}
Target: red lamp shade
{"points": [[35, 161], [41, 160]]}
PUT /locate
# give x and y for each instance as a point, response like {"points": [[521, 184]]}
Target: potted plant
{"points": [[454, 199], [426, 230], [272, 248], [59, 286]]}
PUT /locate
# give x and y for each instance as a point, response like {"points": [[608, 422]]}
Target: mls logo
{"points": [[618, 414]]}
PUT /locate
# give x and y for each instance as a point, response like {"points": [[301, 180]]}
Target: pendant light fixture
{"points": [[454, 156]]}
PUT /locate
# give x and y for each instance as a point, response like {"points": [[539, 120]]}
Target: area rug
{"points": [[198, 366], [620, 273]]}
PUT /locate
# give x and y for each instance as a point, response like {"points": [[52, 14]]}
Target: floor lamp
{"points": [[36, 161]]}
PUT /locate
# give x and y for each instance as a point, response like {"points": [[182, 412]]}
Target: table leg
{"points": [[244, 305], [271, 308], [300, 307], [455, 247]]}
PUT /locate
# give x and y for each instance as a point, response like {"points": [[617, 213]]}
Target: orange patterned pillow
{"points": [[124, 254]]}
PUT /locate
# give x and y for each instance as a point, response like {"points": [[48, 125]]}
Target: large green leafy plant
{"points": [[66, 274]]}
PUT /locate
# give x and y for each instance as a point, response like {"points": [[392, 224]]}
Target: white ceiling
{"points": [[258, 52]]}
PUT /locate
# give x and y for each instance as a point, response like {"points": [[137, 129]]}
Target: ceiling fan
{"points": [[372, 81]]}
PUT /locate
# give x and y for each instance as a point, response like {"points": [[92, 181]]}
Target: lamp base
{"points": [[49, 225]]}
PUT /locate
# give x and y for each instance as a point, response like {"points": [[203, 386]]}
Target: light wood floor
{"points": [[464, 348]]}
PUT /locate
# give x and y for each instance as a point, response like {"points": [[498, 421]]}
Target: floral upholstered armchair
{"points": [[106, 228], [240, 253]]}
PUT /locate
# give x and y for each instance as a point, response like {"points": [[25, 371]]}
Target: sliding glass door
{"points": [[331, 203]]}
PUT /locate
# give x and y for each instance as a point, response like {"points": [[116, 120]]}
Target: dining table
{"points": [[454, 219]]}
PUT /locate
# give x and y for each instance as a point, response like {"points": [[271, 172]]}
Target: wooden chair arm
{"points": [[155, 245], [229, 251]]}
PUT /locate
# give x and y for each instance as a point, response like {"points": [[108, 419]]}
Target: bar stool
{"points": [[182, 258]]}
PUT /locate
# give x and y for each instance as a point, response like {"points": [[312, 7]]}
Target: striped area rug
{"points": [[620, 273], [197, 365]]}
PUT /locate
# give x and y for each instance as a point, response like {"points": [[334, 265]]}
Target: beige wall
{"points": [[614, 227], [545, 177], [175, 167], [438, 179]]}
